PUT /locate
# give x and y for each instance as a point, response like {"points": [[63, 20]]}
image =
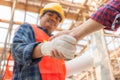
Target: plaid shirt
{"points": [[24, 42], [106, 14]]}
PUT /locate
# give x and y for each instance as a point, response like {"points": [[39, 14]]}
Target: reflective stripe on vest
{"points": [[50, 68]]}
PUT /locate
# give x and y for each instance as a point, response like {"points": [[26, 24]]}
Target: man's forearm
{"points": [[86, 28]]}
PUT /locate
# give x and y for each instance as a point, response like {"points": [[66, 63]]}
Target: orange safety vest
{"points": [[50, 68]]}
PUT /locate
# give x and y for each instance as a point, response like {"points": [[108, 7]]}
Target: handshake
{"points": [[65, 44]]}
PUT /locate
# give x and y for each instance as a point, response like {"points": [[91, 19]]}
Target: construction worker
{"points": [[36, 59], [106, 17]]}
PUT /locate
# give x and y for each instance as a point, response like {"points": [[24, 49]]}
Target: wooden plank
{"points": [[21, 6], [36, 8]]}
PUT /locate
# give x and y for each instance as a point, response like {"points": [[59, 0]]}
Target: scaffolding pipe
{"points": [[8, 36]]}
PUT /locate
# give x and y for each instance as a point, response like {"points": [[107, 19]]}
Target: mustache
{"points": [[52, 21]]}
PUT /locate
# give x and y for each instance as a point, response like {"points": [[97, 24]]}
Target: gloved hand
{"points": [[64, 44]]}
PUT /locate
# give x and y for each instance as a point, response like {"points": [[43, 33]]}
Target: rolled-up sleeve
{"points": [[106, 14], [23, 44]]}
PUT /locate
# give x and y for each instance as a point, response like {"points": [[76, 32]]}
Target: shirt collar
{"points": [[45, 30]]}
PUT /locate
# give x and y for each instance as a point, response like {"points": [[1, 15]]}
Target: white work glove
{"points": [[64, 44]]}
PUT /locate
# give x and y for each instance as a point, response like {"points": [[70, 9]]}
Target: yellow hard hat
{"points": [[54, 7]]}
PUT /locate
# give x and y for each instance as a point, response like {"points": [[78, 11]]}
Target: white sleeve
{"points": [[79, 64]]}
